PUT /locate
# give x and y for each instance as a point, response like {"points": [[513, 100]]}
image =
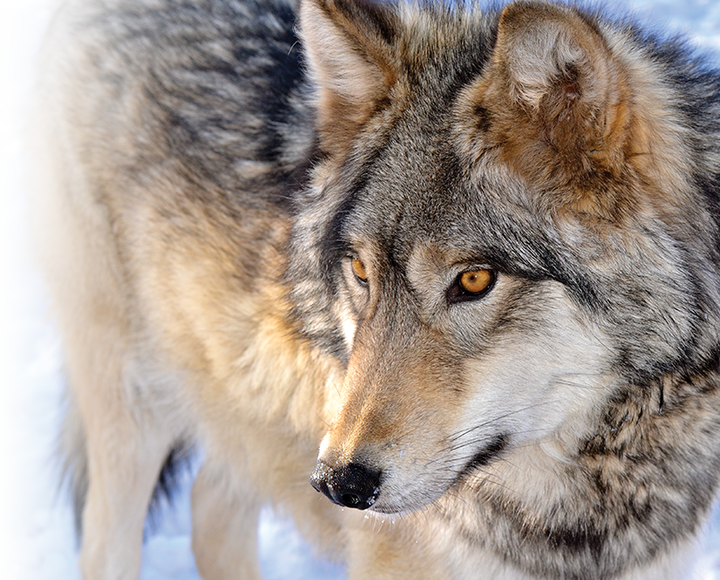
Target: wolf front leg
{"points": [[225, 520], [125, 450]]}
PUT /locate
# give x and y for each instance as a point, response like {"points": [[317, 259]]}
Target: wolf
{"points": [[457, 268]]}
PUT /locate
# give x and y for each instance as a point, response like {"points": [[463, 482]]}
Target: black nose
{"points": [[352, 485]]}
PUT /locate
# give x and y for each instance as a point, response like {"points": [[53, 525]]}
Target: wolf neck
{"points": [[611, 498]]}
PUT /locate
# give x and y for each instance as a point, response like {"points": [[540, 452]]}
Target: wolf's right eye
{"points": [[476, 281], [471, 285], [358, 269]]}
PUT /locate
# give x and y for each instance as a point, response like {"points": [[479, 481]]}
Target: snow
{"points": [[36, 538]]}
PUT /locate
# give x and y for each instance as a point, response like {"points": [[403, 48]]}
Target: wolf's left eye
{"points": [[358, 269], [471, 285]]}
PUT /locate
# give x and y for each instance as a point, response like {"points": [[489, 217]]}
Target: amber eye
{"points": [[476, 281], [358, 269], [471, 285]]}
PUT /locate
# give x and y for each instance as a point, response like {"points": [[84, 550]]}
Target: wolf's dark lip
{"points": [[494, 448]]}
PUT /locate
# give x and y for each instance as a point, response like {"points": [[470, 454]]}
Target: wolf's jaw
{"points": [[491, 451]]}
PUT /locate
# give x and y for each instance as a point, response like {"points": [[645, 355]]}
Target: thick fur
{"points": [[255, 228]]}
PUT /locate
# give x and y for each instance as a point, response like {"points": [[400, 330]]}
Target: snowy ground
{"points": [[36, 540]]}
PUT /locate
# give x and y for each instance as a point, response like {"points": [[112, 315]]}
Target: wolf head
{"points": [[505, 230]]}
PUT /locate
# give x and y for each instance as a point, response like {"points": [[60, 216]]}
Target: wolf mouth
{"points": [[491, 451]]}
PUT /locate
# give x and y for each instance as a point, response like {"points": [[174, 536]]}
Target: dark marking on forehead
{"points": [[333, 243]]}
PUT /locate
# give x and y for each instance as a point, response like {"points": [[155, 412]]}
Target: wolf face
{"points": [[486, 367], [508, 249]]}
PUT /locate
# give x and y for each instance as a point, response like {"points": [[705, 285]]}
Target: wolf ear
{"points": [[348, 46], [558, 99]]}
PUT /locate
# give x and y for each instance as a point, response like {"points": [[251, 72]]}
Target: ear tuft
{"points": [[349, 50]]}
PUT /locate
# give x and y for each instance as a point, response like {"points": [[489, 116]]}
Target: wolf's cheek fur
{"points": [[539, 382]]}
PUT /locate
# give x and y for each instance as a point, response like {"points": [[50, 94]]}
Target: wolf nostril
{"points": [[352, 485], [350, 500]]}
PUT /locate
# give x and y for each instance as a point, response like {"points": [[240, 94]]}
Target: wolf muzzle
{"points": [[352, 485]]}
